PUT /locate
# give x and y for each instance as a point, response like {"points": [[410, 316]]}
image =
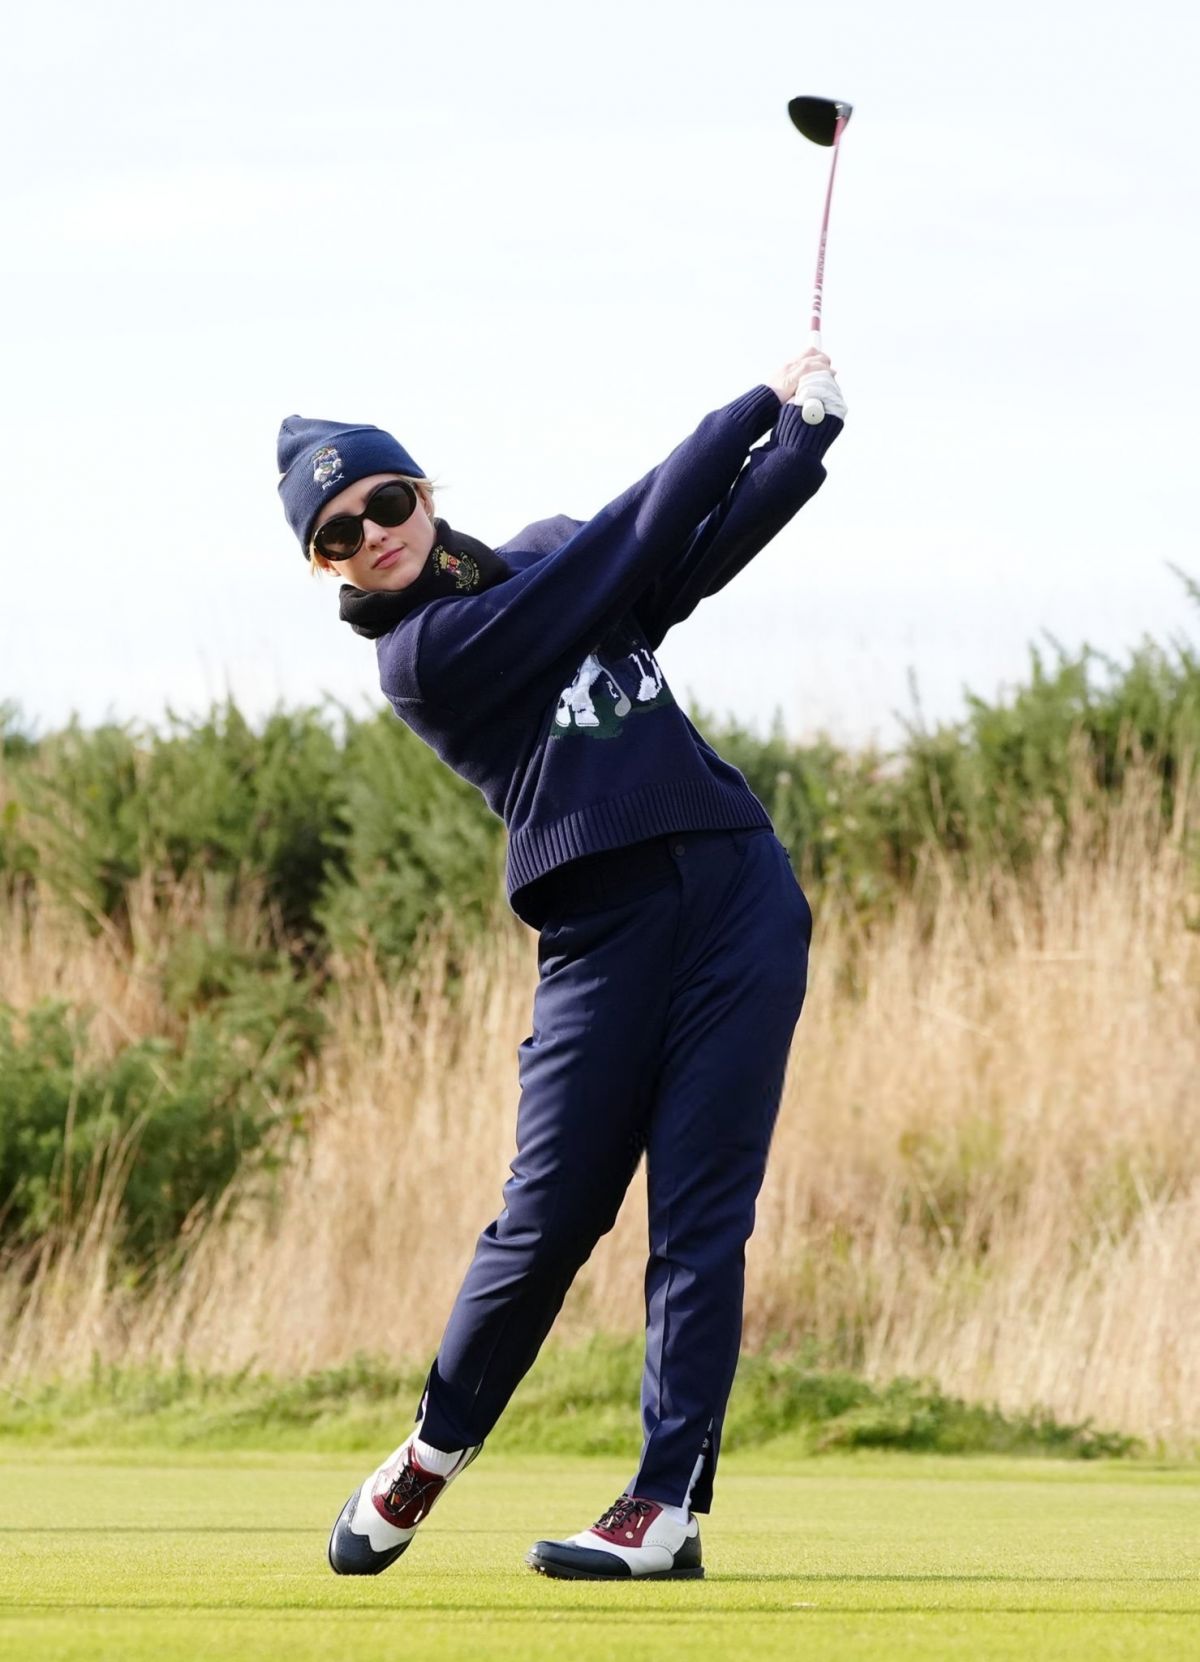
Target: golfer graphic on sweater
{"points": [[673, 946], [576, 707], [577, 703]]}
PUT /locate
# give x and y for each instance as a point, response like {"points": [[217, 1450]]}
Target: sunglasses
{"points": [[341, 537]]}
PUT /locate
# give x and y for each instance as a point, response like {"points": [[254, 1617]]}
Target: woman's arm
{"points": [[775, 484], [495, 642], [778, 480]]}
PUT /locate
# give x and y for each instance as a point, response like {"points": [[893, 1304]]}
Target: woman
{"points": [[673, 937]]}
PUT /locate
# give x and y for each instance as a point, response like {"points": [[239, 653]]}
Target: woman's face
{"points": [[391, 556]]}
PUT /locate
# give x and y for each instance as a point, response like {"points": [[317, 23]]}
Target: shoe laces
{"points": [[409, 1484], [626, 1509]]}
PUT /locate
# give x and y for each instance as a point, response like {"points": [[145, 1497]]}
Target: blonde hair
{"points": [[319, 566]]}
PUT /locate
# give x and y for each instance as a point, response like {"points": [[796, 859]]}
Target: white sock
{"points": [[436, 1461], [678, 1514]]}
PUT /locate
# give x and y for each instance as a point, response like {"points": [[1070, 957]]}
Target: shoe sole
{"points": [[563, 1572]]}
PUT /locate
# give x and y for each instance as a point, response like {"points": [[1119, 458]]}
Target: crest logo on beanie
{"points": [[327, 466]]}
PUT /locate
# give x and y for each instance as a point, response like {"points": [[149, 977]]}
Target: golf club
{"points": [[821, 120]]}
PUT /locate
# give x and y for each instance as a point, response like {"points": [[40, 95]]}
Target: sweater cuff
{"points": [[757, 411], [792, 429]]}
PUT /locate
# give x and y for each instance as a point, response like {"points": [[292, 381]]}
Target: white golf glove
{"points": [[821, 384]]}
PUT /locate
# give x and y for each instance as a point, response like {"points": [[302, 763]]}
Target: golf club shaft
{"points": [[815, 325], [813, 409]]}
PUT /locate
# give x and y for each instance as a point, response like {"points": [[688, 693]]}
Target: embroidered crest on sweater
{"points": [[617, 679]]}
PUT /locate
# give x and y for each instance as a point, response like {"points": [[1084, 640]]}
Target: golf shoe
{"points": [[635, 1539], [381, 1517]]}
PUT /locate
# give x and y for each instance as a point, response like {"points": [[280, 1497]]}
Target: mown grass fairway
{"points": [[901, 1557]]}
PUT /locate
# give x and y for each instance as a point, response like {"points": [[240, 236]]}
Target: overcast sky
{"points": [[538, 241]]}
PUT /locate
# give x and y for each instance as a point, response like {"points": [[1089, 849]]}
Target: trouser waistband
{"points": [[616, 876]]}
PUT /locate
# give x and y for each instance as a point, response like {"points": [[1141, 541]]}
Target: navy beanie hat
{"points": [[317, 459]]}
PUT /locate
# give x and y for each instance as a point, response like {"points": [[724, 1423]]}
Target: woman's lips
{"points": [[388, 559]]}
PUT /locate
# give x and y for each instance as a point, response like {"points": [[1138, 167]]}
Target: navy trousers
{"points": [[669, 987]]}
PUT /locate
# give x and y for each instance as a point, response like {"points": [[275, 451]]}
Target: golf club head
{"points": [[817, 118]]}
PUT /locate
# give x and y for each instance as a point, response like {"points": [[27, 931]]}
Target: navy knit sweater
{"points": [[544, 690]]}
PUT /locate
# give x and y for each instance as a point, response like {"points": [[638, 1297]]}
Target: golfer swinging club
{"points": [[673, 945]]}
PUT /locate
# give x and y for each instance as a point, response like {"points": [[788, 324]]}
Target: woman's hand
{"points": [[813, 362]]}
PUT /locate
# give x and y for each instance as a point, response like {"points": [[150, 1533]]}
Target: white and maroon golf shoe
{"points": [[635, 1539], [381, 1517]]}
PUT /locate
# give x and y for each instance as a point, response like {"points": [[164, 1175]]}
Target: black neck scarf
{"points": [[457, 564]]}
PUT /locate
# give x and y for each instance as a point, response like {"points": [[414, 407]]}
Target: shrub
{"points": [[416, 844], [179, 1118]]}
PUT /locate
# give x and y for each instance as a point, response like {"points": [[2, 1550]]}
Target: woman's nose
{"points": [[372, 533]]}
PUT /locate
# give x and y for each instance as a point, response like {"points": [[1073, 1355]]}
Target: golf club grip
{"points": [[812, 410]]}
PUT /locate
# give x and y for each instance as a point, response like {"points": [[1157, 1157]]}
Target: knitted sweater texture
{"points": [[544, 690]]}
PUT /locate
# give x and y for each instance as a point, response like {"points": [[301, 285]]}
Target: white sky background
{"points": [[538, 241]]}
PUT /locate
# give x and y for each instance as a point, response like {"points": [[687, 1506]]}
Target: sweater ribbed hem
{"points": [[792, 430], [653, 811], [758, 409]]}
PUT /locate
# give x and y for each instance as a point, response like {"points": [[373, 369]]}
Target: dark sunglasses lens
{"points": [[340, 537], [391, 504]]}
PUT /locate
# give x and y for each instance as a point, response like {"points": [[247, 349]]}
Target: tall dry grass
{"points": [[986, 1169]]}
